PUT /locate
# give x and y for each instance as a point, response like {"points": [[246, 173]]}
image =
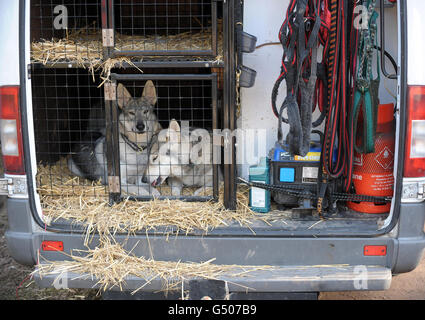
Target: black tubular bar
{"points": [[229, 112], [382, 26], [232, 110], [115, 145], [110, 14], [165, 52], [174, 63], [216, 180], [169, 53], [181, 198], [141, 77], [105, 24], [112, 154], [226, 103]]}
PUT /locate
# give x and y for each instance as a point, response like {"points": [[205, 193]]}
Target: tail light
{"points": [[414, 163], [10, 131], [414, 166], [375, 251], [52, 245]]}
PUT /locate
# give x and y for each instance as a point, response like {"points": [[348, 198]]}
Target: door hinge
{"points": [[108, 37], [13, 187], [29, 71], [114, 184], [4, 186], [110, 91]]}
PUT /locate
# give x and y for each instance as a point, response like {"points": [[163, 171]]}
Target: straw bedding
{"points": [[66, 196], [86, 49]]}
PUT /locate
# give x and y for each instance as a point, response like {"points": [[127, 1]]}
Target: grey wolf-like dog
{"points": [[138, 130], [183, 160]]}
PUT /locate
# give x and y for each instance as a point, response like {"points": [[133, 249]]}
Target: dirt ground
{"points": [[15, 283]]}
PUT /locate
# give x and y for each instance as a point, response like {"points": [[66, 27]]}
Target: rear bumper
{"points": [[280, 279], [404, 251]]}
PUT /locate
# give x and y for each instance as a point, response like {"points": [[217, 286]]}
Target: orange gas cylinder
{"points": [[373, 173]]}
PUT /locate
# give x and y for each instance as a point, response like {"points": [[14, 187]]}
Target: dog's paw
{"points": [[176, 191], [141, 191], [203, 191], [148, 190], [154, 192], [131, 180]]}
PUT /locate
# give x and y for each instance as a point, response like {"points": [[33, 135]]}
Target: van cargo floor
{"points": [[277, 223]]}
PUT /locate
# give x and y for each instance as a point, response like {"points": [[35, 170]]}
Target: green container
{"points": [[259, 199]]}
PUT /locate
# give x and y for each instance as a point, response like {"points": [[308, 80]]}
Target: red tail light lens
{"points": [[52, 245], [372, 251], [10, 131], [414, 165]]}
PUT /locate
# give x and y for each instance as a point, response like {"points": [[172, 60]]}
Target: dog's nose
{"points": [[144, 179], [140, 127]]}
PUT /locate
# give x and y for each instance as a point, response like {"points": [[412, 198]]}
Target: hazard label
{"points": [[385, 158]]}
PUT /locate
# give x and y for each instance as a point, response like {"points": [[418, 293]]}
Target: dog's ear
{"points": [[174, 125], [123, 96], [174, 132], [157, 127], [149, 92]]}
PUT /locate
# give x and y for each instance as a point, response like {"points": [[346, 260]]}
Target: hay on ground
{"points": [[110, 264]]}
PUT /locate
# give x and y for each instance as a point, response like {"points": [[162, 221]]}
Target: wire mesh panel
{"points": [[66, 31], [165, 27], [164, 139], [69, 122]]}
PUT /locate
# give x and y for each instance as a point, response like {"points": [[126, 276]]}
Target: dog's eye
{"points": [[132, 113]]}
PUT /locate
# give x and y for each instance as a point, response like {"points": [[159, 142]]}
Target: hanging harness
{"points": [[342, 85], [366, 94], [299, 36]]}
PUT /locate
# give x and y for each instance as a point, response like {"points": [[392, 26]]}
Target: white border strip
{"points": [[415, 42]]}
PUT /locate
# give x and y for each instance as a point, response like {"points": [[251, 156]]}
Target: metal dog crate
{"points": [[62, 102], [87, 32], [163, 27], [67, 101], [181, 97], [64, 93], [78, 21]]}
